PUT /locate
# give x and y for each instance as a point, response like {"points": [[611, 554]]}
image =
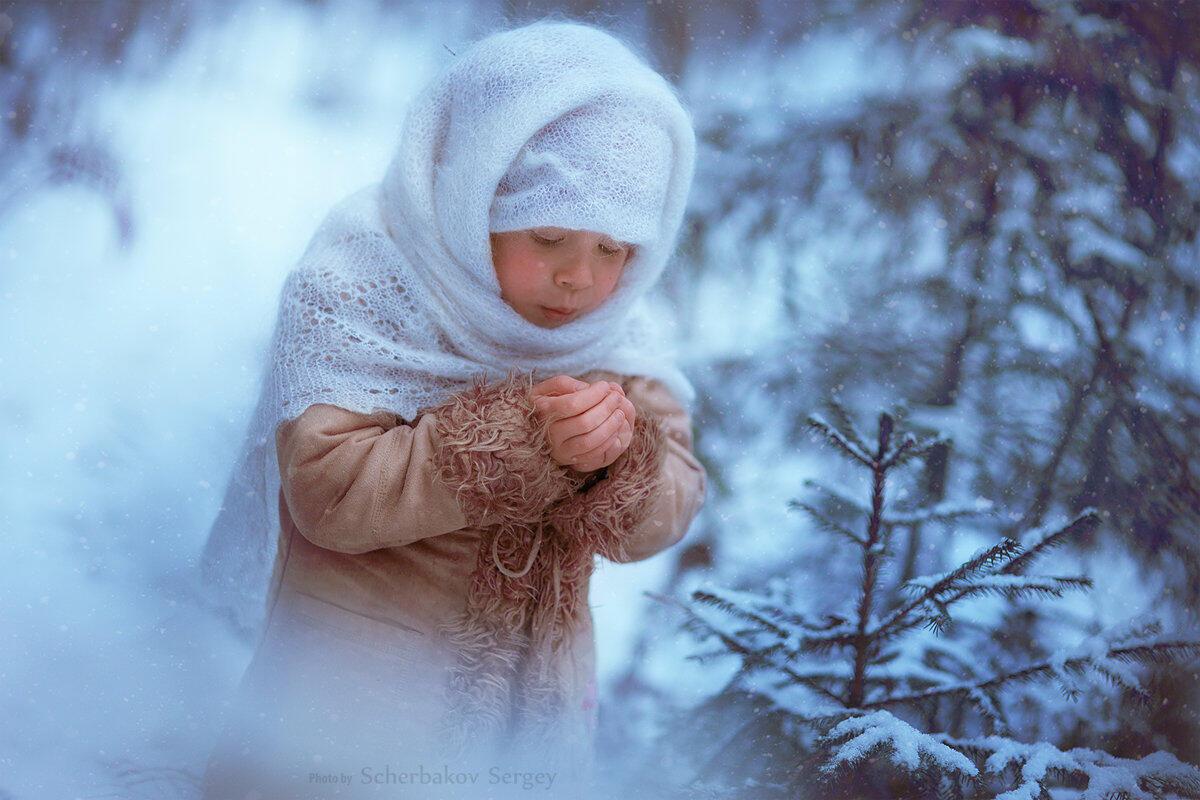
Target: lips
{"points": [[562, 312]]}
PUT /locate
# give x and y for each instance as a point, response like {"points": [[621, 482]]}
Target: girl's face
{"points": [[542, 269]]}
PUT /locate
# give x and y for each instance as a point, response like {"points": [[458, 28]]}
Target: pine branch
{"points": [[939, 618], [909, 746], [1158, 652], [836, 496], [826, 522], [827, 641], [752, 657], [942, 512], [713, 598], [846, 425], [771, 616], [988, 706], [983, 560], [1159, 774], [1035, 544], [910, 448], [835, 437], [906, 448], [1018, 586]]}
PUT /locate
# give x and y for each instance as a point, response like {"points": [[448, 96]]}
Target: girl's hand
{"points": [[591, 423]]}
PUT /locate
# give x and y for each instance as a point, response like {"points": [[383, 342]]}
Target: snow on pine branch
{"points": [[931, 605], [922, 660], [912, 448], [845, 674], [1039, 540], [946, 511], [839, 440], [995, 569], [839, 499], [982, 562], [723, 611], [1015, 586], [908, 746], [847, 426], [1156, 775], [977, 43], [907, 448], [764, 645], [941, 512], [1102, 653]]}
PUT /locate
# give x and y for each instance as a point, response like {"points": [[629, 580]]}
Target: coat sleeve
{"points": [[357, 482], [645, 501]]}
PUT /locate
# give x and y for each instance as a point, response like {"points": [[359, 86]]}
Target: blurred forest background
{"points": [[983, 214]]}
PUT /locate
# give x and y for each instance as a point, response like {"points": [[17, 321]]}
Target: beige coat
{"points": [[374, 554]]}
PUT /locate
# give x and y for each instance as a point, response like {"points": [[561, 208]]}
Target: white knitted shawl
{"points": [[395, 302]]}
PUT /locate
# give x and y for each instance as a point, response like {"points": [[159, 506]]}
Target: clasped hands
{"points": [[591, 424]]}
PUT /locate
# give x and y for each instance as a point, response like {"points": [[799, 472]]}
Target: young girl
{"points": [[465, 402]]}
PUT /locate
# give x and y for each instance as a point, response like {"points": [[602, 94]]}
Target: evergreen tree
{"points": [[1006, 236], [907, 699]]}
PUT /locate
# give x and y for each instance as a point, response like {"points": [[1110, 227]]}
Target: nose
{"points": [[575, 275]]}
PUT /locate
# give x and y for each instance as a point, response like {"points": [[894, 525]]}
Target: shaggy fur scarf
{"points": [[542, 525]]}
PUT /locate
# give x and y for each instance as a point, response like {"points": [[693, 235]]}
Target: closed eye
{"points": [[544, 240]]}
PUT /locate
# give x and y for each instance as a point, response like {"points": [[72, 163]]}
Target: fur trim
{"points": [[528, 587], [608, 510], [491, 638], [495, 453]]}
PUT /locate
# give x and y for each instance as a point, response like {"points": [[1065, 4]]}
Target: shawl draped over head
{"points": [[395, 304]]}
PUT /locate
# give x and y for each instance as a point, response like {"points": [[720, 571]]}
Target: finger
{"points": [[630, 410], [591, 441], [556, 406], [562, 428], [593, 418], [611, 450], [578, 401], [585, 452], [622, 444], [558, 385], [615, 449], [596, 459], [570, 403]]}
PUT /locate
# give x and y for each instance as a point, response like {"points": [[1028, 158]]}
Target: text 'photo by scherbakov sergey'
{"points": [[630, 400]]}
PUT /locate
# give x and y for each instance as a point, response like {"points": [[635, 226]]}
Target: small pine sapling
{"points": [[849, 704]]}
